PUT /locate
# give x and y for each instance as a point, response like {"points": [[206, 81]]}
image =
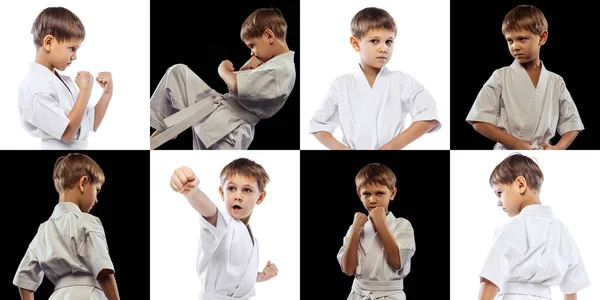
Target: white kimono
{"points": [[370, 117], [531, 253], [45, 100], [375, 278], [511, 102], [228, 120], [227, 259], [71, 250]]}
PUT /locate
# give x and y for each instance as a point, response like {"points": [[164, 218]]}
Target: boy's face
{"points": [[89, 196], [375, 48], [63, 54], [509, 197], [523, 45], [375, 195], [241, 194], [261, 46]]}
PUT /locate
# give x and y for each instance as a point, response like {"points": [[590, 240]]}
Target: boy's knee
{"points": [[178, 69]]}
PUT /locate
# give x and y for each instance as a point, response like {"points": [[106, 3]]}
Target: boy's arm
{"points": [[203, 205], [350, 256], [76, 114], [567, 297], [105, 81], [565, 141], [106, 279], [413, 132], [226, 72], [392, 253], [487, 290], [28, 295], [327, 139], [496, 134]]}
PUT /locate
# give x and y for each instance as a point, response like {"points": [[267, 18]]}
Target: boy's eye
{"points": [[379, 193], [374, 41], [389, 42], [247, 190], [231, 188]]}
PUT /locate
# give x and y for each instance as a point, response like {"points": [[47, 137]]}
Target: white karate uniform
{"points": [[45, 100], [227, 259], [531, 253], [370, 117], [228, 120], [71, 250], [374, 277], [511, 102]]}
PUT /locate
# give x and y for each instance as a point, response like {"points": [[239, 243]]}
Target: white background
{"points": [[422, 50], [175, 227], [117, 40], [570, 187]]}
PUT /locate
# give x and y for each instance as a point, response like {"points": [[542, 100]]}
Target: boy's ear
{"points": [[521, 184], [543, 37], [47, 42], [261, 197], [270, 35], [355, 43], [358, 192], [393, 193], [221, 193], [82, 182]]}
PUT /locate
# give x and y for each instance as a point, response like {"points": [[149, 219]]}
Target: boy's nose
{"points": [[499, 203]]}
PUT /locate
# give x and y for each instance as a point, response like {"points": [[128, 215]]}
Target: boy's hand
{"points": [[84, 81], [105, 81], [269, 272], [359, 220], [226, 66], [521, 145], [377, 216], [547, 146], [252, 63], [184, 180]]}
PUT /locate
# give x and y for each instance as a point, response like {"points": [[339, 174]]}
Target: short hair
{"points": [[69, 168], [262, 19], [525, 17], [247, 168], [58, 22], [371, 18], [515, 165], [375, 173]]}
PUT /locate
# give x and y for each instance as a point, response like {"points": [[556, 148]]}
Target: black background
{"points": [[329, 202], [123, 208], [180, 33], [478, 48]]}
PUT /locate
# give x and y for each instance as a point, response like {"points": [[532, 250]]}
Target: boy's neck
{"points": [[531, 200], [280, 47], [533, 66], [41, 57], [70, 195], [370, 72]]}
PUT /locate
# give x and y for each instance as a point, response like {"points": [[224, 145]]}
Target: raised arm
{"points": [[105, 81], [184, 181], [350, 256], [75, 116], [226, 72], [106, 279]]}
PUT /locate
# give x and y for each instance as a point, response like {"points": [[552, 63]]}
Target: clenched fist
{"points": [[184, 180], [105, 81], [84, 81], [359, 220]]}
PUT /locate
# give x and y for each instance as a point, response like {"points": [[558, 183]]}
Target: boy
{"points": [[258, 90], [377, 249], [228, 255], [70, 248], [50, 106], [371, 104], [523, 105], [533, 251]]}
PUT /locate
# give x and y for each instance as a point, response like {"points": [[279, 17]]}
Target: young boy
{"points": [[377, 249], [258, 90], [371, 104], [533, 251], [50, 106], [70, 248], [228, 255], [523, 105]]}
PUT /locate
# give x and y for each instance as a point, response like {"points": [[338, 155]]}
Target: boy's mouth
{"points": [[236, 207]]}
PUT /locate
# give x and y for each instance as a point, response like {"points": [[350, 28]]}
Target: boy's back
{"points": [[533, 252], [70, 249]]}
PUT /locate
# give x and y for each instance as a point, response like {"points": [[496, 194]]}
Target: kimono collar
{"points": [[287, 56], [359, 72], [65, 207], [516, 65], [536, 210]]}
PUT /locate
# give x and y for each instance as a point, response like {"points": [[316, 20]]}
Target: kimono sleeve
{"points": [[264, 91], [211, 236], [404, 235], [497, 265], [420, 103], [568, 116], [94, 248], [45, 114], [344, 245], [29, 275], [327, 117], [576, 277], [486, 107]]}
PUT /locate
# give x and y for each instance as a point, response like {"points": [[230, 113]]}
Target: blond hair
{"points": [[375, 173], [246, 168], [371, 18], [69, 168], [262, 19]]}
